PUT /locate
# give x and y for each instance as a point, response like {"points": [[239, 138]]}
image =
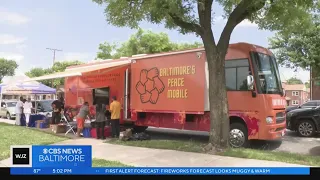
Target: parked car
{"points": [[43, 107], [307, 105], [8, 109], [306, 122]]}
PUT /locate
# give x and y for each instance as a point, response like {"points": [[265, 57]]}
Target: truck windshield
{"points": [[268, 72], [11, 104]]}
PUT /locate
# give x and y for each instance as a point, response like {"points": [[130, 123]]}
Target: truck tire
{"points": [[8, 116], [238, 136], [306, 128], [139, 129]]}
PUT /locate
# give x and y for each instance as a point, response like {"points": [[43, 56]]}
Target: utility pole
{"points": [[54, 59], [54, 54]]}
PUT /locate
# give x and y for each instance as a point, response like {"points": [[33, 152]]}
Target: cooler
{"points": [[107, 132], [86, 132]]}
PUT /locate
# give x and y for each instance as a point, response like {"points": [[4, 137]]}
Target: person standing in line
{"points": [[18, 111], [100, 120], [62, 103], [27, 106], [56, 114], [115, 108], [81, 117]]}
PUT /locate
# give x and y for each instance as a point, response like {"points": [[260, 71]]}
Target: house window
{"points": [[295, 93], [295, 102]]}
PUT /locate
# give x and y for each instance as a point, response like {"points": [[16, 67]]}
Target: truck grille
{"points": [[280, 117]]}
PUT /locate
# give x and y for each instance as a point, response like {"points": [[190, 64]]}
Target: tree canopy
{"points": [[195, 16], [142, 42], [299, 49], [294, 80], [307, 84], [7, 67], [57, 67]]}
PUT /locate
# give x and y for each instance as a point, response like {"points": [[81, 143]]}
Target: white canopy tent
{"points": [[107, 65], [16, 85]]}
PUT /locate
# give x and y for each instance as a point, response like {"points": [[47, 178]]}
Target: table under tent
{"points": [[74, 95], [21, 88]]}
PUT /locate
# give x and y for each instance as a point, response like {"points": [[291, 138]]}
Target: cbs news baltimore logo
{"points": [[21, 156]]}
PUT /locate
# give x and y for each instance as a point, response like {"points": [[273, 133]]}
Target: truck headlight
{"points": [[269, 120]]}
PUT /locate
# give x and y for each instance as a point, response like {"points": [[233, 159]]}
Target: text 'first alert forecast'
{"points": [[62, 154], [188, 171]]}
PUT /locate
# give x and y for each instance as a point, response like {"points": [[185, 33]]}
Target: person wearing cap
{"points": [[115, 108]]}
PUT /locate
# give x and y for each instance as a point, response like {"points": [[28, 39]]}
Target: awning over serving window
{"points": [[78, 71], [55, 76]]}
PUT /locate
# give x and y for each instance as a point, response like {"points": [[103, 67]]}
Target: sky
{"points": [[77, 27]]}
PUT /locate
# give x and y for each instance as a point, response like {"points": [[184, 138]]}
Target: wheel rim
{"points": [[8, 116], [237, 138], [305, 129]]}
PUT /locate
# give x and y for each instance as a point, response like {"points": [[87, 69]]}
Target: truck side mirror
{"points": [[283, 92], [250, 82]]}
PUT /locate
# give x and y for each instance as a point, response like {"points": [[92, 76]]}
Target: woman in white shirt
{"points": [[27, 106]]}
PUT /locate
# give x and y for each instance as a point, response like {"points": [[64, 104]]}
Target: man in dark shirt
{"points": [[56, 111], [62, 103]]}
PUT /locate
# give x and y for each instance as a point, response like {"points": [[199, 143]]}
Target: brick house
{"points": [[296, 94]]}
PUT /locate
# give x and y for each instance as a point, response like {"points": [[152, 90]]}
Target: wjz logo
{"points": [[20, 155]]}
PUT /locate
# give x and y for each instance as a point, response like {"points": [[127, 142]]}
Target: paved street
{"points": [[290, 143]]}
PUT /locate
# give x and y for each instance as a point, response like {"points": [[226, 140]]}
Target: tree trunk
{"points": [[219, 118]]}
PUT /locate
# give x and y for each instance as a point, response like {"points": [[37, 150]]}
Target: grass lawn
{"points": [[17, 135], [194, 146], [105, 163]]}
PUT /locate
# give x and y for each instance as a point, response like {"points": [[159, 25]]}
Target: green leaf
{"points": [[142, 42], [7, 67], [57, 67]]}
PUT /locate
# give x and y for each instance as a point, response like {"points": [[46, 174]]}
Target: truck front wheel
{"points": [[238, 136], [139, 129]]}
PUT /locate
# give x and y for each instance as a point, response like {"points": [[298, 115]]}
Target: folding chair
{"points": [[70, 127]]}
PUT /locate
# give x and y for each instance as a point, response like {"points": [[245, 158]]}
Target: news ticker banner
{"points": [[63, 156], [160, 171], [77, 160]]}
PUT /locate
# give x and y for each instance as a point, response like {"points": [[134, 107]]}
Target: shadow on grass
{"points": [[265, 145], [315, 151], [187, 146], [174, 135], [198, 147], [286, 157]]}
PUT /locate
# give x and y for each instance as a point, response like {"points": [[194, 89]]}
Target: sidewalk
{"points": [[145, 157], [7, 121]]}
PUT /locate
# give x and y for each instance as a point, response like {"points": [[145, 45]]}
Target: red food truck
{"points": [[170, 90]]}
